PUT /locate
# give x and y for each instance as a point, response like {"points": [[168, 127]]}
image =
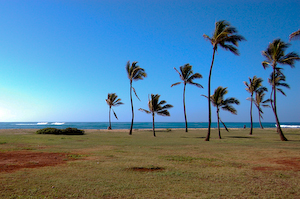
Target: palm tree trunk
{"points": [[209, 104], [259, 116], [218, 123], [153, 128], [186, 127], [131, 126], [251, 122], [279, 130], [109, 118]]}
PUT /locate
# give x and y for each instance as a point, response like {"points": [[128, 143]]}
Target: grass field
{"points": [[175, 164]]}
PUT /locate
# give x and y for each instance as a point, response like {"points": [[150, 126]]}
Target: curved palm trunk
{"points": [[259, 116], [209, 104], [251, 122], [153, 128], [109, 118], [186, 126], [131, 126], [218, 123], [279, 130]]}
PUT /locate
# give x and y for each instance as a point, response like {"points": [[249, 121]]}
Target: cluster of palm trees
{"points": [[226, 37]]}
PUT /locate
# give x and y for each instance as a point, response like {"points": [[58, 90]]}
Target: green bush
{"points": [[67, 131], [72, 131], [49, 131]]}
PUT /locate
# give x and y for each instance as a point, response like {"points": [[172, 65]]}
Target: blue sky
{"points": [[60, 59]]}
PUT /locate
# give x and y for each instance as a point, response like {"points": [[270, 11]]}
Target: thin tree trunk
{"points": [[251, 122], [209, 104], [153, 128], [259, 116], [279, 130], [109, 119], [218, 123], [131, 126], [186, 126]]}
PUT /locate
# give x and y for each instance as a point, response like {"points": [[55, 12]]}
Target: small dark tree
{"points": [[158, 107], [112, 100]]}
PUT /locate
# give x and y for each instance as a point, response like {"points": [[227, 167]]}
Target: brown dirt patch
{"points": [[292, 164], [145, 169], [15, 160]]}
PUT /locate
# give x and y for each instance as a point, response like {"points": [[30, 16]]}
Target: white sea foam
{"points": [[288, 126], [25, 124], [58, 123], [42, 123]]}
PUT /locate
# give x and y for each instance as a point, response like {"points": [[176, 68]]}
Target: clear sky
{"points": [[60, 59]]}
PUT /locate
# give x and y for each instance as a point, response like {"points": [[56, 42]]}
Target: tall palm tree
{"points": [[134, 73], [218, 101], [158, 107], [295, 35], [112, 100], [259, 101], [187, 76], [254, 85], [275, 54], [224, 36]]}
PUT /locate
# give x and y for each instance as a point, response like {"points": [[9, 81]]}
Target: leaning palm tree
{"points": [[187, 76], [158, 107], [134, 73], [275, 54], [218, 101], [259, 101], [112, 100], [295, 35], [224, 36], [254, 85]]}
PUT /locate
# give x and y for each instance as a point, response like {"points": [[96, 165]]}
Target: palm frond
{"points": [[295, 35], [148, 112], [135, 93], [176, 84], [115, 114]]}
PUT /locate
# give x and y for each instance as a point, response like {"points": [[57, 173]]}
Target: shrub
{"points": [[72, 131], [67, 131], [49, 131]]}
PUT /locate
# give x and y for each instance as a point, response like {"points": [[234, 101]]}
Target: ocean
{"points": [[137, 125]]}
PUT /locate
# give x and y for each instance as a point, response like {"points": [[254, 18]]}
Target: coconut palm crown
{"points": [[254, 85], [274, 55], [112, 100], [158, 107], [224, 36], [218, 101], [187, 76], [134, 73]]}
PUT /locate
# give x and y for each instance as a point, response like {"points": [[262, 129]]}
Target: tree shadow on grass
{"points": [[247, 137]]}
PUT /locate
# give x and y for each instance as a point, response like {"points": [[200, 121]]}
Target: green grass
{"points": [[192, 168]]}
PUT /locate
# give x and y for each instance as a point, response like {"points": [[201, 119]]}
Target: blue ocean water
{"points": [[137, 125]]}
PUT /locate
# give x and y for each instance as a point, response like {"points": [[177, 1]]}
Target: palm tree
{"points": [[275, 54], [187, 77], [279, 82], [226, 37], [135, 73], [295, 35], [158, 107], [218, 101], [112, 100], [258, 101], [255, 85]]}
